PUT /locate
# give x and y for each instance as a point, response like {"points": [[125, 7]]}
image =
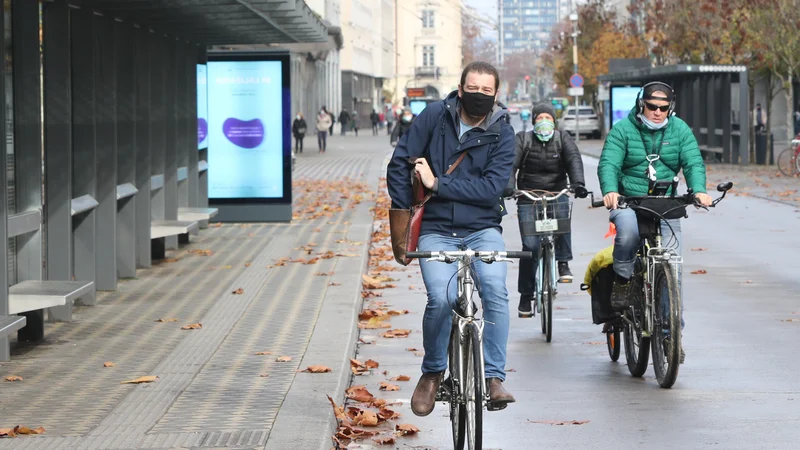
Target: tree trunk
{"points": [[770, 96]]}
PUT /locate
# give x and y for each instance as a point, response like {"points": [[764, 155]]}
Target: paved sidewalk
{"points": [[286, 289]]}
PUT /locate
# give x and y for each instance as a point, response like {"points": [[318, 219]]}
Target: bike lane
{"points": [[736, 389]]}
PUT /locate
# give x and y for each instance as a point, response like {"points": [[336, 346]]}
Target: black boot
{"points": [[525, 310], [564, 274]]}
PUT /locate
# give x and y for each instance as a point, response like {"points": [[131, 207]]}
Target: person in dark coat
{"points": [[466, 209], [299, 131], [344, 121], [402, 126], [545, 159], [375, 118]]}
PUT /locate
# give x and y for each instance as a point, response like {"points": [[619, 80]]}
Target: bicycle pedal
{"points": [[496, 406]]}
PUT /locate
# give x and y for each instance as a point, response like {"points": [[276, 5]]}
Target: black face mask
{"points": [[476, 104]]}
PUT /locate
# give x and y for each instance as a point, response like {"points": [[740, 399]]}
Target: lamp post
{"points": [[573, 17]]}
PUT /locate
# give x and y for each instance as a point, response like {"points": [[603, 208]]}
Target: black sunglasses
{"points": [[653, 107]]}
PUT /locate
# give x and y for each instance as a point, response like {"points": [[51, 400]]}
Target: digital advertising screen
{"points": [[202, 108], [623, 98], [249, 143]]}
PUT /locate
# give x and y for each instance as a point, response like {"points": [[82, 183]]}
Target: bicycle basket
{"points": [[555, 218]]}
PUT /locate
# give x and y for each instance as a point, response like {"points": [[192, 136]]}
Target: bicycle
{"points": [[465, 388], [789, 159], [652, 318], [550, 217]]}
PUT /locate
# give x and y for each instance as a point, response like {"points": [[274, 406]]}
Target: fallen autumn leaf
{"points": [[14, 378], [192, 326], [317, 369], [239, 291], [145, 379], [560, 422], [699, 272], [283, 359], [384, 386], [109, 364]]}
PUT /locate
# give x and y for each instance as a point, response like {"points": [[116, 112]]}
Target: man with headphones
{"points": [[651, 140]]}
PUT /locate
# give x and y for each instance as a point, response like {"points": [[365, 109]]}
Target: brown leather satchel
{"points": [[405, 224]]}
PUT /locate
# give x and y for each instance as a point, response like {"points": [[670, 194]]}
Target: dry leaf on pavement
{"points": [[145, 379], [317, 369], [396, 312], [109, 364], [389, 387], [384, 440], [263, 353], [396, 333], [14, 378], [359, 394], [201, 252], [699, 272], [239, 291], [366, 419], [699, 249], [171, 319], [401, 378], [406, 429], [283, 359], [192, 326], [560, 422], [388, 414], [372, 364]]}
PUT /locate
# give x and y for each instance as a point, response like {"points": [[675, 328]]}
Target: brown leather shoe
{"points": [[424, 398], [499, 397]]}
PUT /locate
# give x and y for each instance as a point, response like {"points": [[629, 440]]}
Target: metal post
{"points": [[142, 57], [191, 143], [170, 131], [27, 149], [106, 147], [744, 118], [126, 149], [4, 348], [574, 18], [58, 148]]}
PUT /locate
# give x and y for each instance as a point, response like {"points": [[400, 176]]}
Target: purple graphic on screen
{"points": [[202, 129], [245, 134]]}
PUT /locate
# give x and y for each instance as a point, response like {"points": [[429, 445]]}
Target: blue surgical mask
{"points": [[544, 130], [652, 125]]}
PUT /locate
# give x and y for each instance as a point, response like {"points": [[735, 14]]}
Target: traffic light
{"points": [[527, 77], [516, 91]]}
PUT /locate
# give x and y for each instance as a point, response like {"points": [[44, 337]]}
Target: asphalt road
{"points": [[737, 390]]}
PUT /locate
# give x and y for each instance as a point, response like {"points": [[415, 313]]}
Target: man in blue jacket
{"points": [[465, 210]]}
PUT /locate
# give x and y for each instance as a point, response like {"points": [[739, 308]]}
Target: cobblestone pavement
{"points": [[213, 390]]}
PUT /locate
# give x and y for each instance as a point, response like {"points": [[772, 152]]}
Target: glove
{"points": [[508, 193], [581, 192]]}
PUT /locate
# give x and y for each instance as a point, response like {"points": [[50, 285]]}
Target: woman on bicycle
{"points": [[545, 157], [650, 132]]}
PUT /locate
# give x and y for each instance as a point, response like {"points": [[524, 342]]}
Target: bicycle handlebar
{"points": [[484, 255], [538, 198], [689, 198]]}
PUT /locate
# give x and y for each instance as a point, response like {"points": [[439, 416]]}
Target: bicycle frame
{"points": [[466, 289], [653, 253]]}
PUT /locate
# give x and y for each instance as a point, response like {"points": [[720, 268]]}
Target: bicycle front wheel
{"points": [[547, 295], [788, 164], [473, 388], [458, 411], [666, 326], [637, 347]]}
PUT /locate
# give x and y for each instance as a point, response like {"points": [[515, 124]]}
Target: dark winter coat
{"points": [[297, 126], [470, 199], [546, 165]]}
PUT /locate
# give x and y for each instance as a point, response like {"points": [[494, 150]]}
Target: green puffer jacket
{"points": [[623, 165]]}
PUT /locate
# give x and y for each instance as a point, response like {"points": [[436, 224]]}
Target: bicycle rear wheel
{"points": [[547, 294], [458, 412], [473, 388], [666, 326], [637, 347], [788, 164]]}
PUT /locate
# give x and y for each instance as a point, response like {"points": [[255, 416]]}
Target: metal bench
{"points": [[10, 324], [201, 215], [33, 295], [160, 229]]}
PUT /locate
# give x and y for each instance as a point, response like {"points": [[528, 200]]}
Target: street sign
{"points": [[575, 91], [576, 81], [415, 92]]}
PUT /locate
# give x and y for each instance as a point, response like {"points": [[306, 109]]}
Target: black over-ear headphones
{"points": [[640, 100]]}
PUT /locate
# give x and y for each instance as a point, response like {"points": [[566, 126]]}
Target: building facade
{"points": [[526, 25], [367, 55], [429, 52]]}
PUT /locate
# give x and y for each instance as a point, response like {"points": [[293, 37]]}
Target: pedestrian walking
{"points": [[299, 132], [344, 121], [375, 119], [324, 123]]}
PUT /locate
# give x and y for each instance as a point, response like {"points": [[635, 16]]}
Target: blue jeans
{"points": [[526, 281], [438, 277], [627, 241]]}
